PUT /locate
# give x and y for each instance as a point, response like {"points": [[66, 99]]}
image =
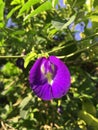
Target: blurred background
{"points": [[67, 29]]}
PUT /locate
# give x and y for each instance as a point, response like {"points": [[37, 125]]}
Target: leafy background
{"points": [[67, 29]]}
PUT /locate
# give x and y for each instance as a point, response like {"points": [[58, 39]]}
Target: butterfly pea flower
{"points": [[49, 78]]}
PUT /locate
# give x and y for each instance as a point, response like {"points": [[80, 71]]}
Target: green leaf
{"points": [[54, 3], [10, 69], [23, 113], [27, 6], [89, 5], [18, 32], [31, 56], [78, 3], [88, 106], [12, 11], [1, 24], [89, 119], [95, 3], [15, 2], [2, 5], [60, 25], [57, 25], [69, 22], [94, 18], [45, 6], [25, 102]]}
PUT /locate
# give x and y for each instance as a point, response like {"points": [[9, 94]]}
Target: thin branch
{"points": [[74, 53], [19, 56], [82, 50]]}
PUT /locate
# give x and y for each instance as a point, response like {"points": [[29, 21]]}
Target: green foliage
{"points": [[89, 119], [43, 7], [88, 106], [27, 6], [12, 11], [2, 4], [9, 69], [61, 26], [42, 28]]}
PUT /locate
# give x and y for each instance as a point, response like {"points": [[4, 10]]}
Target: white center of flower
{"points": [[47, 73], [49, 77], [43, 69]]}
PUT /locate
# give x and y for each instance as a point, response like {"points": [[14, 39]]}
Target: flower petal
{"points": [[44, 91], [62, 79], [38, 84], [35, 76]]}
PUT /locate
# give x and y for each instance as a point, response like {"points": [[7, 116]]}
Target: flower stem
{"points": [[19, 56], [82, 50], [79, 51]]}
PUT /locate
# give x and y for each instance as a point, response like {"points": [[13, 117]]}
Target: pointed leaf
{"points": [[27, 6], [12, 11], [31, 56], [15, 2], [25, 102], [60, 26], [2, 4], [45, 6], [89, 119], [69, 22], [1, 9]]}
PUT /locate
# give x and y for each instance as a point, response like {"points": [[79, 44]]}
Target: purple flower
{"points": [[49, 78]]}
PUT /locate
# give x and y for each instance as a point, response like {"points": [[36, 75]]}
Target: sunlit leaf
{"points": [[23, 113], [60, 26], [89, 5], [54, 3], [25, 102], [89, 119], [2, 4], [88, 106], [1, 9], [31, 56], [12, 11], [94, 18], [69, 22], [10, 69], [43, 7], [15, 2], [27, 6]]}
